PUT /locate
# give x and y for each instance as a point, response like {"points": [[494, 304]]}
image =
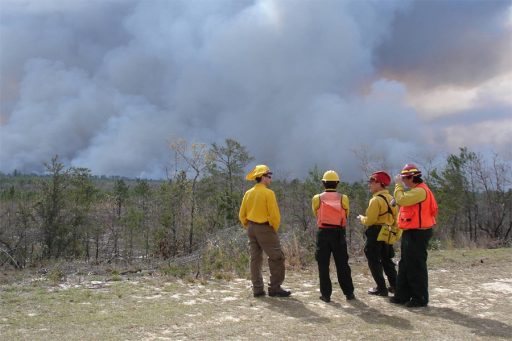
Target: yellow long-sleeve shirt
{"points": [[411, 197], [315, 202], [259, 205], [376, 213]]}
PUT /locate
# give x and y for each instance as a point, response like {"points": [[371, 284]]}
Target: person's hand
{"points": [[398, 179]]}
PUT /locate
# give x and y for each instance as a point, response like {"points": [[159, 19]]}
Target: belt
{"points": [[255, 223], [329, 226]]}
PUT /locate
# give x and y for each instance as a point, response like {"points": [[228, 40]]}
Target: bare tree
{"points": [[194, 156]]}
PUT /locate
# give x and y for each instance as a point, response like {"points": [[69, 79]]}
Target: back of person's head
{"points": [[330, 184], [330, 179]]}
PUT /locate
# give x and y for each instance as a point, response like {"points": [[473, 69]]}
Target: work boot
{"points": [[398, 300], [279, 293], [325, 299], [259, 294], [415, 304], [351, 297], [378, 292]]}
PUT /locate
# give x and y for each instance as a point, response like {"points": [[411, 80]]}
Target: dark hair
{"points": [[258, 179], [417, 179], [330, 184]]}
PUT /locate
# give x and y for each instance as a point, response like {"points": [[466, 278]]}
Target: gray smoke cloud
{"points": [[105, 84], [460, 43]]}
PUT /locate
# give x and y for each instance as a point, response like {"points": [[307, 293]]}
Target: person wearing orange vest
{"points": [[331, 210], [259, 214], [379, 254], [417, 217]]}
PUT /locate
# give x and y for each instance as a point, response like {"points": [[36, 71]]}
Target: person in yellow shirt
{"points": [[417, 218], [378, 253], [331, 210], [259, 214]]}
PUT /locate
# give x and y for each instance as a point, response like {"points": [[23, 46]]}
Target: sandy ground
{"points": [[471, 299]]}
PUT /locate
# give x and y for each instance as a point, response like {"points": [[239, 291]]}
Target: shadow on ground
{"points": [[294, 308], [374, 316], [480, 326]]}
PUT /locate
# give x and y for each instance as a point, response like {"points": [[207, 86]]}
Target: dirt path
{"points": [[470, 299]]}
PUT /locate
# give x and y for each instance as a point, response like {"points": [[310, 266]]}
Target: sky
{"points": [[107, 84]]}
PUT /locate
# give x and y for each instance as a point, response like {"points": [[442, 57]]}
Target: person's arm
{"points": [[242, 214], [345, 203], [274, 217], [411, 197], [394, 209], [372, 213], [315, 204]]}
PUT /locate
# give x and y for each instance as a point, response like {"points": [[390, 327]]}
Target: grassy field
{"points": [[470, 290]]}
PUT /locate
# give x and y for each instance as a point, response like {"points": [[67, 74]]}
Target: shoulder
{"points": [[268, 192], [375, 199], [425, 187], [385, 196], [421, 188]]}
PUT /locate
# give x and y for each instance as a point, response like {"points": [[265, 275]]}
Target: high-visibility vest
{"points": [[331, 213], [420, 215]]}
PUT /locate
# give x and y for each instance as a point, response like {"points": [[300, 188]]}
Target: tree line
{"points": [[70, 214]]}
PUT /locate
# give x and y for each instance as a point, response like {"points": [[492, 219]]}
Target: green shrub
{"points": [[175, 271], [116, 277], [434, 244], [224, 257], [56, 275]]}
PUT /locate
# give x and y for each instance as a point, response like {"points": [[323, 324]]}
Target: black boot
{"points": [[378, 292], [279, 293], [398, 300], [325, 299]]}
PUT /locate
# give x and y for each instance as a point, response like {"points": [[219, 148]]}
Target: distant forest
{"points": [[68, 214]]}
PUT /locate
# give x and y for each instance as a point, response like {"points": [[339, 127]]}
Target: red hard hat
{"points": [[381, 177], [410, 169]]}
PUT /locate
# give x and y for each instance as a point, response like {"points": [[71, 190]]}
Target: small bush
{"points": [[175, 271], [298, 248], [56, 275], [116, 277], [434, 244], [223, 259]]}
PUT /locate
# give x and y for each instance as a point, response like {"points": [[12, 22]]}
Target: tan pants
{"points": [[262, 237]]}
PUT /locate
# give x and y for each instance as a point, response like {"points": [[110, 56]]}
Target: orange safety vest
{"points": [[331, 213], [420, 215]]}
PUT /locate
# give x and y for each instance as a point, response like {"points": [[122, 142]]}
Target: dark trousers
{"points": [[380, 257], [333, 241], [412, 281]]}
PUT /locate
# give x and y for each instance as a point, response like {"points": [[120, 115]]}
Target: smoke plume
{"points": [[106, 84]]}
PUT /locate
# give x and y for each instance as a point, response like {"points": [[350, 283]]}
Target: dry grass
{"points": [[470, 299]]}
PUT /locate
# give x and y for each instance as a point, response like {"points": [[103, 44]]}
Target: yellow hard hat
{"points": [[257, 172], [331, 175]]}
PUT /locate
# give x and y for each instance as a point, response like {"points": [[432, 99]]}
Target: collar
{"points": [[384, 191]]}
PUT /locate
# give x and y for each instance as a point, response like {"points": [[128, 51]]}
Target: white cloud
{"points": [[496, 133], [448, 100]]}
